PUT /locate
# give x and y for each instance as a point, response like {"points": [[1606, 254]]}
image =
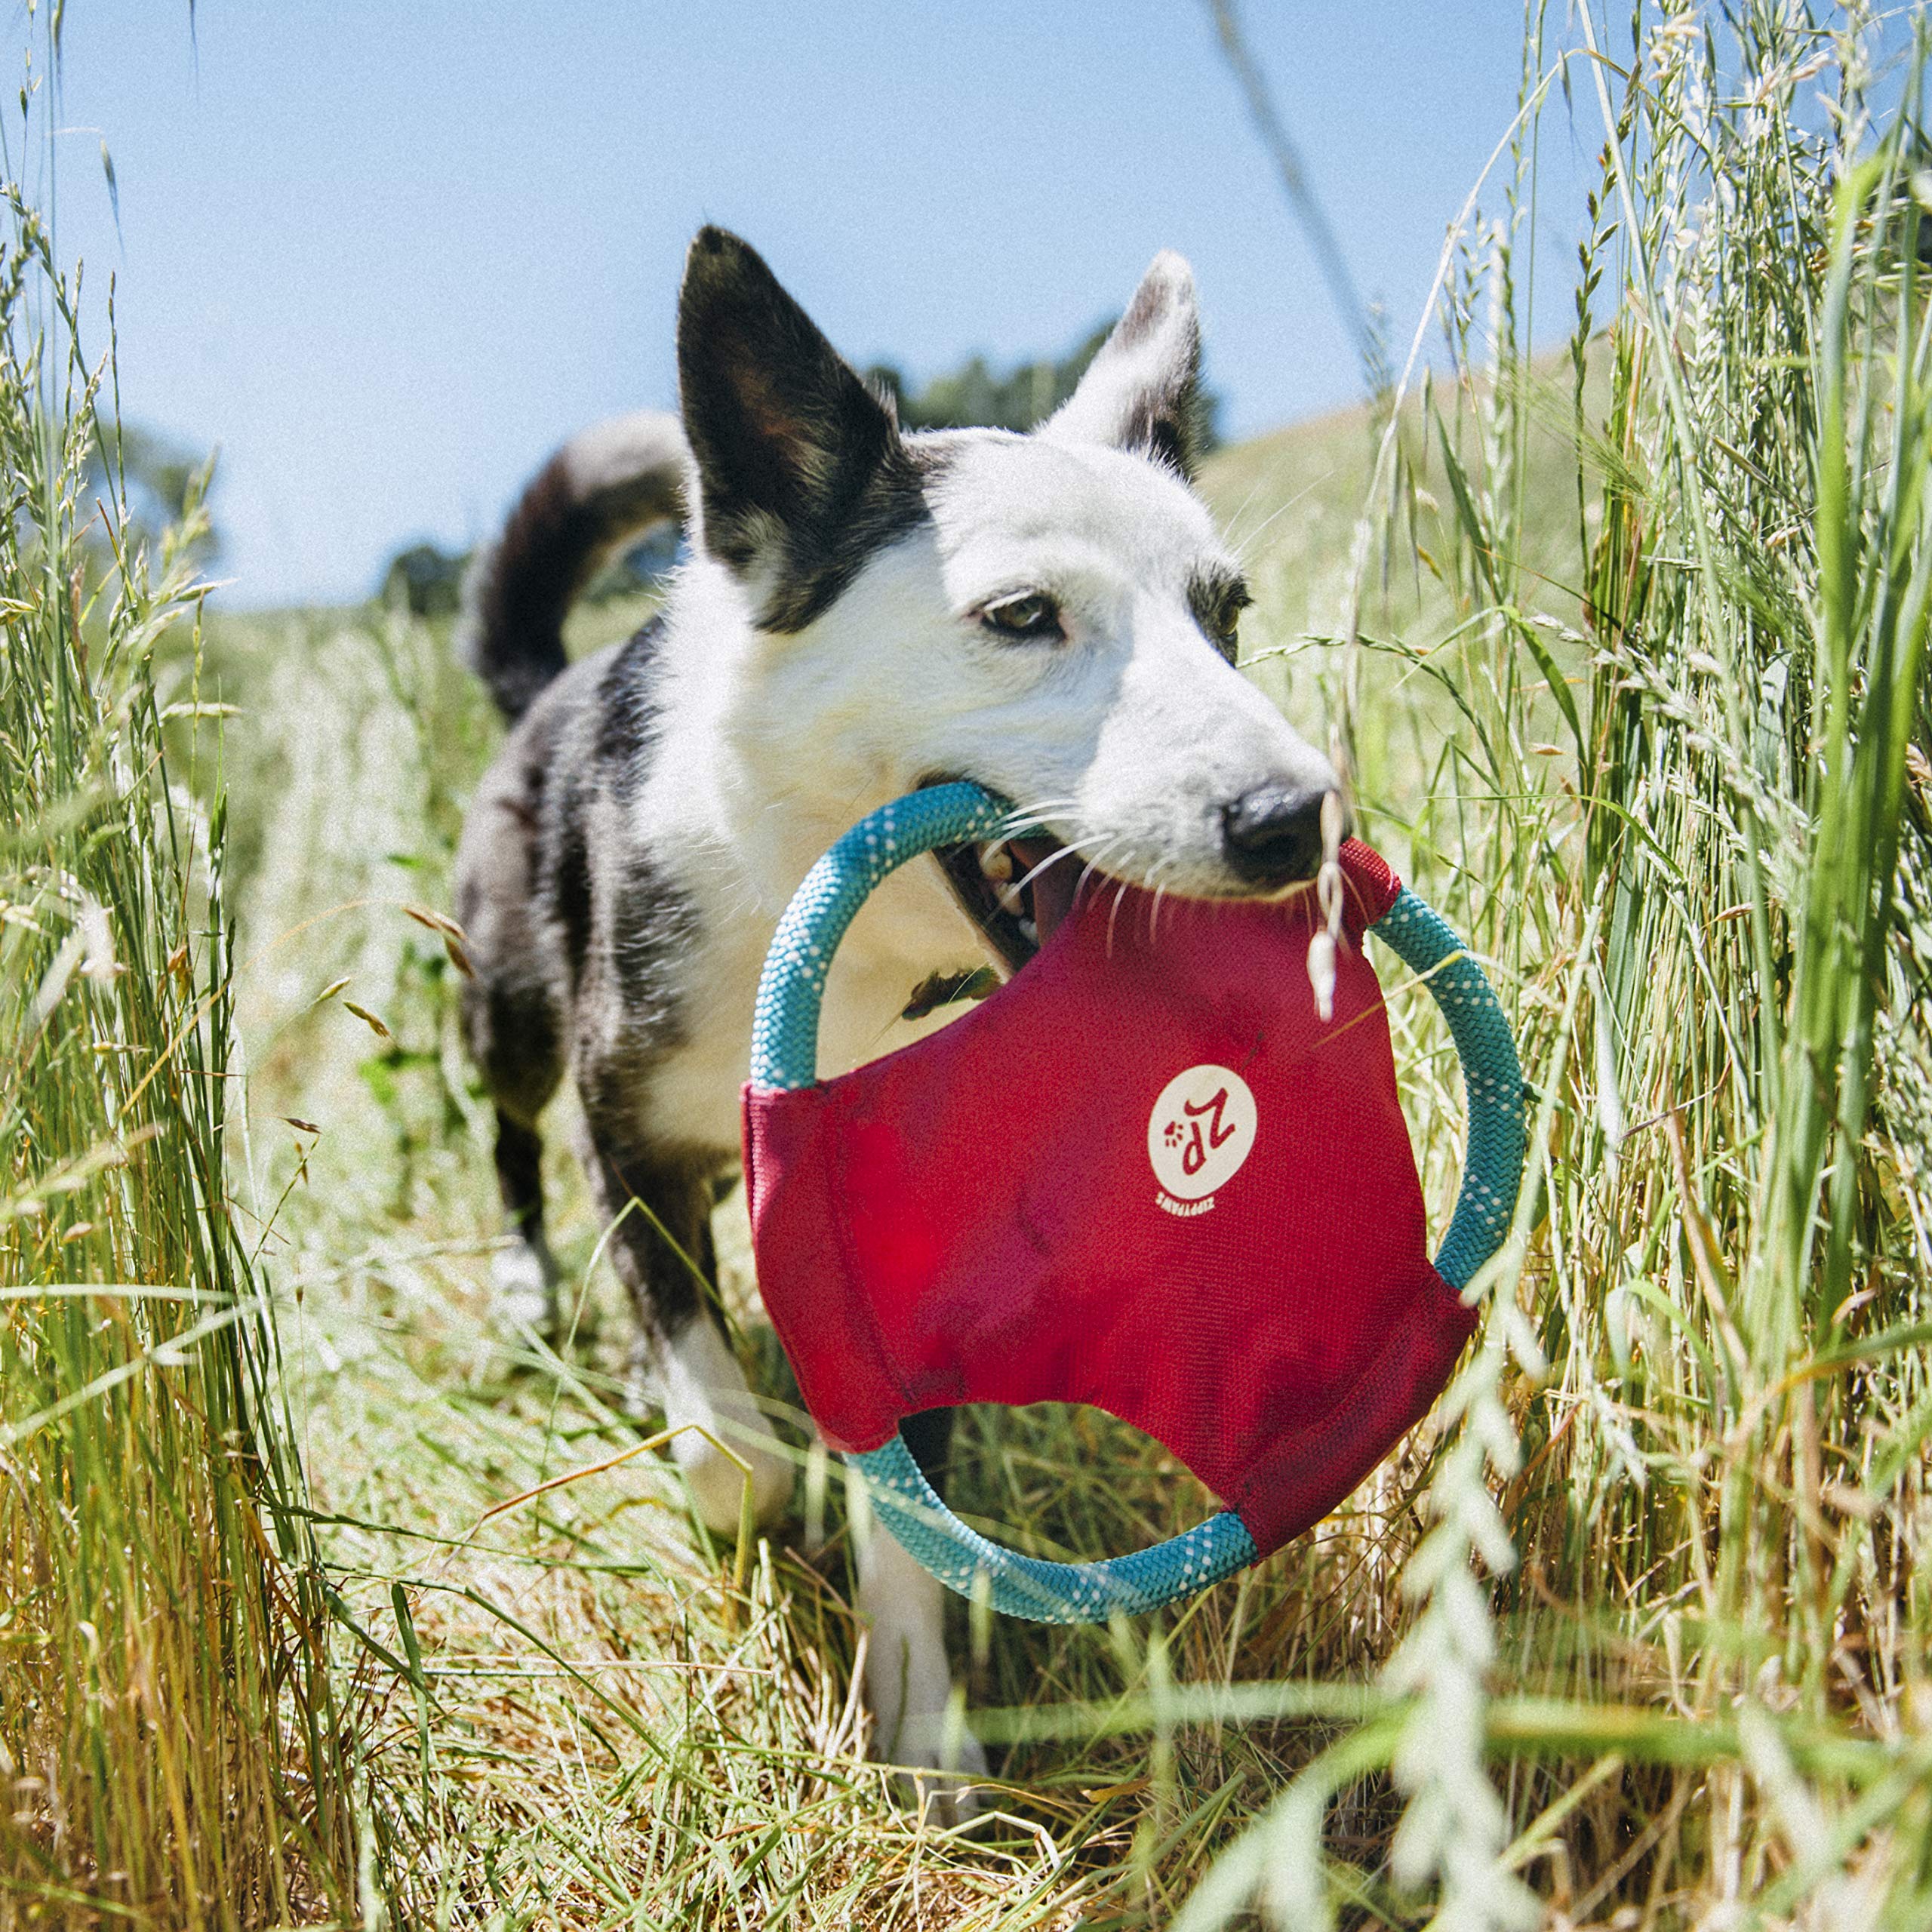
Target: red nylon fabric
{"points": [[980, 1217]]}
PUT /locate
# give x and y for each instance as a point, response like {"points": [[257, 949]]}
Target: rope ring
{"points": [[785, 1058]]}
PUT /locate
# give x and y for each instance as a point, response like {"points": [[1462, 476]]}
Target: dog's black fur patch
{"points": [[664, 1257], [627, 707], [644, 945], [802, 471], [574, 935], [1216, 602], [523, 586]]}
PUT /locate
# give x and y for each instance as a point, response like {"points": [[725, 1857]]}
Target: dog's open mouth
{"points": [[1015, 890]]}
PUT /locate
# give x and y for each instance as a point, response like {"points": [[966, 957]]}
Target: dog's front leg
{"points": [[908, 1681], [658, 1213], [696, 1381]]}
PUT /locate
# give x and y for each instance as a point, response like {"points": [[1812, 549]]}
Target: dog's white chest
{"points": [[908, 929]]}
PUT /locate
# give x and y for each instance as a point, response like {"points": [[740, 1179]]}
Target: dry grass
{"points": [[169, 1744]]}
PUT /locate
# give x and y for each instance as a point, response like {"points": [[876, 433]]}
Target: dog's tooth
{"points": [[1029, 932], [996, 861]]}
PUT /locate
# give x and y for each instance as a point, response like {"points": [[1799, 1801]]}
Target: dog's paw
{"points": [[523, 1290], [717, 1484], [918, 1716], [940, 1776], [696, 1383], [945, 1799]]}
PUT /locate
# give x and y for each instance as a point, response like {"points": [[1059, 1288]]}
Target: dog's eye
{"points": [[1031, 614], [1222, 620]]}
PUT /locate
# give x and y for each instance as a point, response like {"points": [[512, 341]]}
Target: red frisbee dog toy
{"points": [[1145, 1175]]}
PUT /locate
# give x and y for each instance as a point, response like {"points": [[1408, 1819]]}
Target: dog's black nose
{"points": [[1273, 834]]}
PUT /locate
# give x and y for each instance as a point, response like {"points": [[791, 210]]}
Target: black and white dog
{"points": [[1052, 614]]}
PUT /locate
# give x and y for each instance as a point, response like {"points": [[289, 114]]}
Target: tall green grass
{"points": [[169, 1748]]}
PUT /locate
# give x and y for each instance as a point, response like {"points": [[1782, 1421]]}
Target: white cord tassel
{"points": [[1328, 895]]}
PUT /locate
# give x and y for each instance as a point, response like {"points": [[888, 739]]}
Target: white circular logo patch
{"points": [[1200, 1131]]}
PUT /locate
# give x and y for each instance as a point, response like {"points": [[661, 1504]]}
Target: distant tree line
{"points": [[425, 579], [977, 396]]}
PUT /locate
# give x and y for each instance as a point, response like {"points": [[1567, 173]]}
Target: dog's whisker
{"points": [[1052, 858], [1154, 910], [1234, 521], [1244, 548], [1058, 828], [1095, 864], [1120, 892], [1038, 812]]}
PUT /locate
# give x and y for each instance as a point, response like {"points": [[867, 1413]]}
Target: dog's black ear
{"points": [[1141, 392], [798, 461]]}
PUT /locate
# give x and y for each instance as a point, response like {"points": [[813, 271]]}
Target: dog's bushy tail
{"points": [[603, 488]]}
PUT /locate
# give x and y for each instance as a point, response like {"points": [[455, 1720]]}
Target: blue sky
{"points": [[387, 256]]}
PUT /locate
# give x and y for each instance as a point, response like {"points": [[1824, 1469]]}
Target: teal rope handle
{"points": [[792, 987], [785, 1058], [1492, 1081]]}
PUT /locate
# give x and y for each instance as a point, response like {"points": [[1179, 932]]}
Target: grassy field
{"points": [[1624, 646]]}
